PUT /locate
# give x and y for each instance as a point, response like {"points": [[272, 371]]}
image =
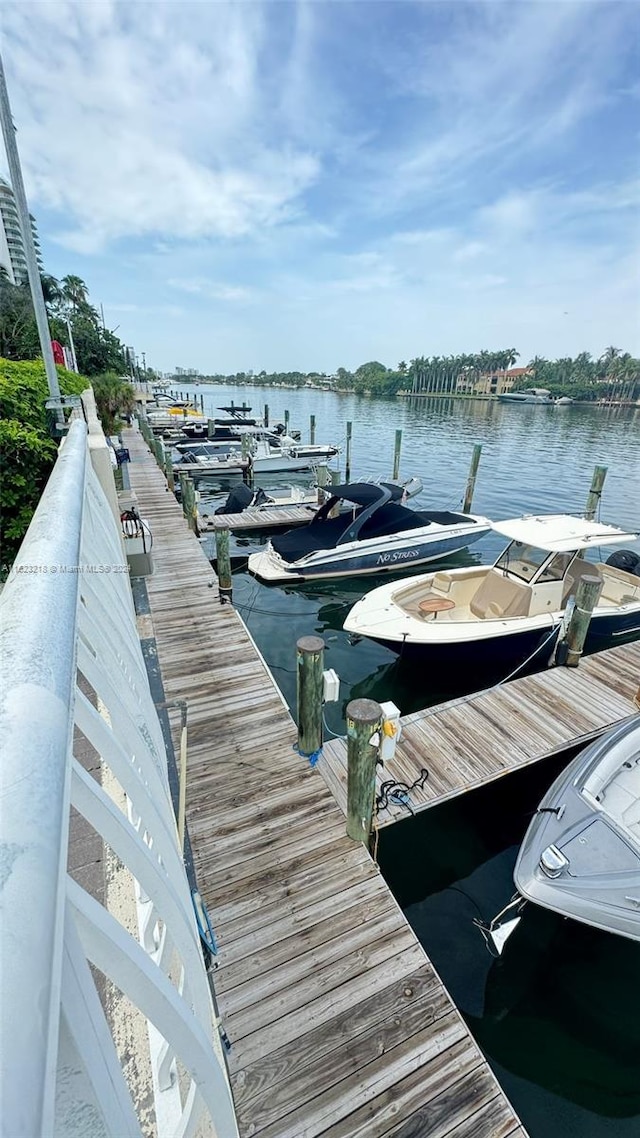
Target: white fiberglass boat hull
{"points": [[377, 555], [581, 853]]}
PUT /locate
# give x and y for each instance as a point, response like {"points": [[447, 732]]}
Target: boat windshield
{"points": [[521, 560]]}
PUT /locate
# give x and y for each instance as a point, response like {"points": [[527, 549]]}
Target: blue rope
{"points": [[313, 757]]}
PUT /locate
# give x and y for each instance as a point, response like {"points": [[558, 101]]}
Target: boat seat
{"points": [[499, 596], [576, 570]]}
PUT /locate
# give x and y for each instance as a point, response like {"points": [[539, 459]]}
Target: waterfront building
{"points": [[12, 255]]}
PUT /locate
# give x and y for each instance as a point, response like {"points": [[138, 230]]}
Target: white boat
{"points": [[177, 416], [275, 456], [529, 395], [243, 497], [505, 613], [581, 853], [564, 401], [376, 534]]}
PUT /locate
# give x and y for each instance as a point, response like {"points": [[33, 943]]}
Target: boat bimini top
{"points": [[561, 533], [377, 512]]}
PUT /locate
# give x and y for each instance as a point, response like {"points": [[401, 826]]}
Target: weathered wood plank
{"points": [[334, 1011]]}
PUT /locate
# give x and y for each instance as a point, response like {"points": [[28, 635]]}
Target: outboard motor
{"points": [[239, 498], [625, 559]]}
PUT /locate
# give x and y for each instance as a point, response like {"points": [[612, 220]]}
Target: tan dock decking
{"points": [[339, 1024], [257, 519], [468, 742]]}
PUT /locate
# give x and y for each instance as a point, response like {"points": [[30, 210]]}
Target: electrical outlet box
{"points": [[391, 731], [330, 686]]}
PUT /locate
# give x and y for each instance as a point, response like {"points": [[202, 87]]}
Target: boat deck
{"points": [[339, 1023], [257, 519], [468, 742]]}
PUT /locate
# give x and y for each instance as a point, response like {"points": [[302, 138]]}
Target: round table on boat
{"points": [[431, 606]]}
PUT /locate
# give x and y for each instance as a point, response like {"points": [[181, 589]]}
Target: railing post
{"points": [[223, 563], [570, 649], [396, 455], [364, 719], [310, 663], [471, 480]]}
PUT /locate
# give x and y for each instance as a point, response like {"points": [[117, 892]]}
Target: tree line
{"points": [[615, 375]]}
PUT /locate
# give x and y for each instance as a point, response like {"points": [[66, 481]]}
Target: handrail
{"points": [[38, 604], [67, 612]]}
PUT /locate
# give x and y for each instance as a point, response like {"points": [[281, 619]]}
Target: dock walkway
{"points": [[257, 519], [468, 742], [339, 1023]]}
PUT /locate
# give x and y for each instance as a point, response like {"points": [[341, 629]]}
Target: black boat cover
{"points": [[239, 498], [387, 520]]}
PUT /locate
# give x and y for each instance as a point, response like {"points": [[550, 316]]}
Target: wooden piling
{"points": [[595, 492], [266, 415], [286, 422], [168, 468], [347, 461], [570, 649], [396, 455], [161, 458], [471, 480], [309, 667], [189, 504], [202, 403], [364, 719], [223, 566], [312, 428], [322, 475]]}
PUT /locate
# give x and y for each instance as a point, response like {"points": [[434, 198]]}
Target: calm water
{"points": [[559, 1015]]}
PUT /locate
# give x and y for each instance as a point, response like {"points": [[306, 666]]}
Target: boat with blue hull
{"points": [[514, 610], [375, 533]]}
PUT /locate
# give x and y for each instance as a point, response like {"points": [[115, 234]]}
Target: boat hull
{"points": [[514, 648], [581, 854], [351, 561]]}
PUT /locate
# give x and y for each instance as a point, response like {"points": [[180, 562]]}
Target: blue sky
{"points": [[315, 184]]}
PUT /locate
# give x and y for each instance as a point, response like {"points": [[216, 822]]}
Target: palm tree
{"points": [[75, 291]]}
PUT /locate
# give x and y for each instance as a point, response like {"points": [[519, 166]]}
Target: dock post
{"points": [[471, 480], [312, 428], [266, 414], [202, 403], [211, 428], [396, 455], [168, 468], [244, 446], [189, 504], [310, 663], [595, 492], [286, 422], [223, 566], [570, 648], [161, 458], [364, 719], [347, 461]]}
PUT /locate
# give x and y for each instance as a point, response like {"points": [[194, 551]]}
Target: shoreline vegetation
{"points": [[612, 378]]}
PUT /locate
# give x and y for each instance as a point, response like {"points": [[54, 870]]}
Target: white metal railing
{"points": [[68, 618]]}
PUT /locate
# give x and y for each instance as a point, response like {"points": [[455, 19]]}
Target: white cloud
{"points": [[138, 124], [215, 290]]}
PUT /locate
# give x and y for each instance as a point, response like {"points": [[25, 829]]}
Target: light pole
{"points": [[35, 284]]}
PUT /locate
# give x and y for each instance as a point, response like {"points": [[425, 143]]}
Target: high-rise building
{"points": [[12, 254]]}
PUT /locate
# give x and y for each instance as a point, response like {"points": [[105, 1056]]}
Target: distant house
{"points": [[493, 382]]}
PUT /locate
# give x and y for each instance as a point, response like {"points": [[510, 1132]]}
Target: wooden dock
{"points": [[257, 519], [339, 1023], [468, 742]]}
